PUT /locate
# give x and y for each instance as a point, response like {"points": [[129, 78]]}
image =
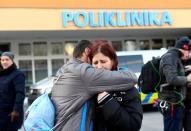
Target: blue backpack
{"points": [[40, 115]]}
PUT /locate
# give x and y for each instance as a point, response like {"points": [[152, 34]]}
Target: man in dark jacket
{"points": [[12, 94], [173, 91], [187, 101]]}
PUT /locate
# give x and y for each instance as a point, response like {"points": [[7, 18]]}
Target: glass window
{"points": [[56, 64], [157, 44], [170, 43], [40, 48], [67, 59], [24, 49], [133, 62], [41, 70], [5, 46], [69, 47], [117, 45], [144, 44], [56, 48], [26, 67], [130, 45]]}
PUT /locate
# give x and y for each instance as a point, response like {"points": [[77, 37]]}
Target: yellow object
{"points": [[149, 98]]}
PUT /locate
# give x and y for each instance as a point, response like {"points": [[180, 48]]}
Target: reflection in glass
{"points": [[56, 64], [67, 59], [24, 49], [117, 45], [26, 67], [170, 43], [157, 43], [41, 70], [40, 48], [130, 45], [56, 48], [144, 44], [69, 47]]}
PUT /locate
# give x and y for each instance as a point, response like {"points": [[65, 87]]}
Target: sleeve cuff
{"points": [[104, 99]]}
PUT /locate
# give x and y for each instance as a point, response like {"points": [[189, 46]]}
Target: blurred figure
{"points": [[116, 110], [12, 94], [77, 82]]}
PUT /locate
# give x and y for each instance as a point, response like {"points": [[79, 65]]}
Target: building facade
{"points": [[43, 33]]}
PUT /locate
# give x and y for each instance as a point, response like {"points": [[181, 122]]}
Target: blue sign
{"points": [[116, 18]]}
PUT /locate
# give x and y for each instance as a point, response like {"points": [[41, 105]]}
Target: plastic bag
{"points": [[40, 115]]}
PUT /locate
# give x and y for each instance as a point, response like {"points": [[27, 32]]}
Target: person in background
{"points": [[12, 94], [116, 110], [187, 101], [77, 83], [174, 84]]}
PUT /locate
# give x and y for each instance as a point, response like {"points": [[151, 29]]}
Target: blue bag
{"points": [[40, 115]]}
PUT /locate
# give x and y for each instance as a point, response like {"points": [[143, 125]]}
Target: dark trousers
{"points": [[173, 118], [187, 116], [187, 121], [8, 130]]}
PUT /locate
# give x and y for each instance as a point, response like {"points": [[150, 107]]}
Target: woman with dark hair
{"points": [[115, 111]]}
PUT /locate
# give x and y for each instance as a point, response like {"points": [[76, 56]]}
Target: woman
{"points": [[12, 94], [116, 111]]}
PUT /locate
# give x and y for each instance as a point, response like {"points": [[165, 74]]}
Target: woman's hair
{"points": [[106, 48]]}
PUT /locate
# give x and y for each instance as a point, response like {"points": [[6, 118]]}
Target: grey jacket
{"points": [[173, 77], [77, 83]]}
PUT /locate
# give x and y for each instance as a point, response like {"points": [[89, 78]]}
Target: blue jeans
{"points": [[173, 118]]}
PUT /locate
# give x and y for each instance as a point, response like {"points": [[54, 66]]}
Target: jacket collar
{"points": [[75, 60], [175, 51], [8, 70]]}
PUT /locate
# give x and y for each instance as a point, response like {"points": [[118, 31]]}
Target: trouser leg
{"points": [[173, 119], [187, 117]]}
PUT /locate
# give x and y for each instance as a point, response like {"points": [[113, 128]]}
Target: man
{"points": [[187, 101], [77, 83], [12, 94], [172, 92]]}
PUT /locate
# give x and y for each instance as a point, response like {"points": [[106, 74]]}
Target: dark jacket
{"points": [[173, 77], [1, 68], [123, 112], [78, 82], [12, 94], [188, 71]]}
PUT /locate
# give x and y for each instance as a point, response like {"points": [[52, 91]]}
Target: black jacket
{"points": [[1, 68], [121, 112], [188, 92], [173, 75], [12, 94]]}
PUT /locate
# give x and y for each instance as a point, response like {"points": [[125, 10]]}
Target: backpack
{"points": [[150, 78], [40, 115]]}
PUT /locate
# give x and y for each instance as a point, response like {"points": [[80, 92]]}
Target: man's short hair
{"points": [[80, 48]]}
